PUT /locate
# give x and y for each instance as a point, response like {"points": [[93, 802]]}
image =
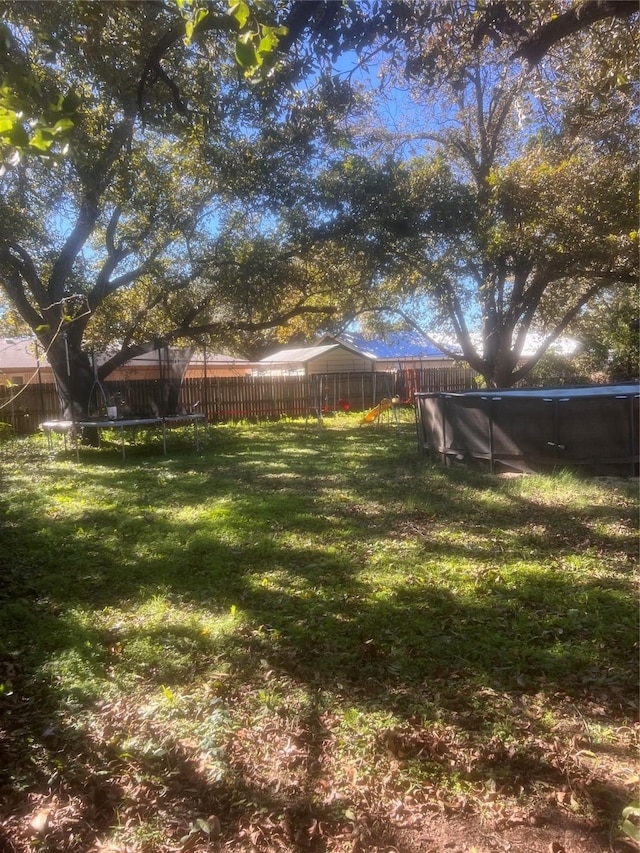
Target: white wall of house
{"points": [[339, 360], [311, 361]]}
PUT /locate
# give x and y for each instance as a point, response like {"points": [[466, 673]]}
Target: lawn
{"points": [[312, 640]]}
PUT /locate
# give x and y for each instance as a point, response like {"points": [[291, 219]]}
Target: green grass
{"points": [[304, 623]]}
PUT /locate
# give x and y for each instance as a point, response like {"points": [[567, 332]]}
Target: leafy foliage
{"points": [[513, 215], [35, 118], [169, 145], [191, 203]]}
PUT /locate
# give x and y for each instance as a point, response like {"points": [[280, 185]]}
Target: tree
{"points": [[11, 324], [609, 342], [536, 44], [522, 208], [170, 146], [37, 121], [169, 143]]}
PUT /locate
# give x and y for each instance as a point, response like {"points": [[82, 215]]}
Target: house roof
{"points": [[17, 354], [563, 346], [218, 358], [299, 355], [20, 354], [397, 345]]}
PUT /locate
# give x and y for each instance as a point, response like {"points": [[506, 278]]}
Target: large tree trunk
{"points": [[74, 378]]}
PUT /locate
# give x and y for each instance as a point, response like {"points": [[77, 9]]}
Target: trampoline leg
{"points": [[632, 449]]}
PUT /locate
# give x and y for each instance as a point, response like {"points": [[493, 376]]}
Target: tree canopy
{"points": [[169, 148], [516, 202], [184, 171]]}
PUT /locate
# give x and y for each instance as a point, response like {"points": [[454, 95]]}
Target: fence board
{"points": [[238, 398], [24, 408]]}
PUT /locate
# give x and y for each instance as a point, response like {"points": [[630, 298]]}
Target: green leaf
{"points": [[39, 141], [56, 106], [630, 830], [246, 55], [19, 136], [192, 23], [203, 826], [270, 38], [200, 15], [628, 827], [62, 127], [267, 43], [10, 101], [71, 103], [241, 12]]}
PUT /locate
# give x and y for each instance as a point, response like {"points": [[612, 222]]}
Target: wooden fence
{"points": [[24, 408], [241, 397]]}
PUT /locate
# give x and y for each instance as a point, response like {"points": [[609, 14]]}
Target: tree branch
{"points": [[106, 286], [153, 69], [90, 207], [110, 233], [249, 326], [438, 344], [26, 269], [12, 284], [538, 44], [217, 328], [560, 327]]}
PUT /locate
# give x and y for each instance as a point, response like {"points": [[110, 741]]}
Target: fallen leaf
{"points": [[40, 821], [215, 828]]}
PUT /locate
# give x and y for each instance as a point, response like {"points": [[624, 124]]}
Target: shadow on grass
{"points": [[290, 542]]}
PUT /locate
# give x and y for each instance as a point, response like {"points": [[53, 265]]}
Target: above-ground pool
{"points": [[594, 428]]}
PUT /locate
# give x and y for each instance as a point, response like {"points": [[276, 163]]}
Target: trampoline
{"points": [[74, 428], [594, 429]]}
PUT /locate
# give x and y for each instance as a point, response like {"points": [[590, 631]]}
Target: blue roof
{"points": [[396, 345]]}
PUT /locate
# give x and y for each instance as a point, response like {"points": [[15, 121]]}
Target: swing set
{"points": [[387, 405]]}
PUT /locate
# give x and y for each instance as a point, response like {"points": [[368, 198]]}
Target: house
{"points": [[335, 357], [399, 350], [353, 353], [407, 350], [157, 364], [217, 364], [22, 360]]}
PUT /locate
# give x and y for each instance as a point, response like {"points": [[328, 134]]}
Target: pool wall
{"points": [[594, 429]]}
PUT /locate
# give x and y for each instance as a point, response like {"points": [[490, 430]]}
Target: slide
{"points": [[382, 406]]}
